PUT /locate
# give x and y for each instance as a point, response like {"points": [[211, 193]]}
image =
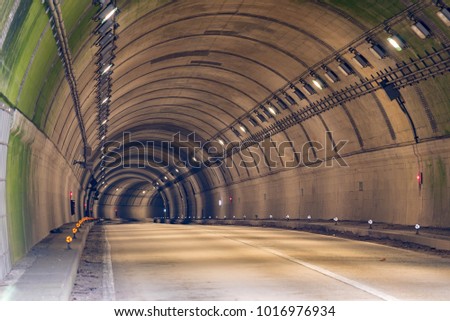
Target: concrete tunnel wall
{"points": [[5, 256], [380, 185], [39, 185]]}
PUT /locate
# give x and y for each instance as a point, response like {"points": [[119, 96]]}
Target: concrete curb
{"points": [[438, 242], [70, 281], [52, 273]]}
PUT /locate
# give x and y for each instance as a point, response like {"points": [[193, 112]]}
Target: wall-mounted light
{"points": [[319, 83], [417, 227], [107, 49], [370, 223], [396, 42], [419, 178], [105, 27], [108, 12], [360, 60], [105, 40], [281, 103], [252, 121], [107, 69], [309, 90], [345, 68], [221, 142], [331, 76], [235, 131], [220, 202], [308, 217], [266, 111], [298, 93], [273, 110], [444, 15], [260, 117], [421, 30], [378, 51], [336, 220], [242, 128], [289, 99]]}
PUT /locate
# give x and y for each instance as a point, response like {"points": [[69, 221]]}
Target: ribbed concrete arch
{"points": [[154, 172], [247, 18]]}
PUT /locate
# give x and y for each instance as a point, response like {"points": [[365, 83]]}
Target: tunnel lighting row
{"points": [[304, 88], [175, 172], [106, 33], [53, 9]]}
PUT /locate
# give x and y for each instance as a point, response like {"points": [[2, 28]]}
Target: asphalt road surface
{"points": [[197, 262]]}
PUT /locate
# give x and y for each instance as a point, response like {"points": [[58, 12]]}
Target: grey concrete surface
{"points": [[5, 255], [193, 262], [48, 271]]}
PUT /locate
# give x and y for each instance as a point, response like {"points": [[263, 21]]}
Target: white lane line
{"points": [[109, 293], [326, 272]]}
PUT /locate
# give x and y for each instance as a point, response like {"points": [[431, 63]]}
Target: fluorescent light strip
{"points": [[109, 15], [106, 69]]}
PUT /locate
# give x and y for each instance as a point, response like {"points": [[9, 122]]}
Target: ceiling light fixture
{"points": [[109, 15]]}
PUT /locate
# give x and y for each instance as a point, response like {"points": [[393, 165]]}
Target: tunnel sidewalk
{"points": [[48, 271], [434, 238]]}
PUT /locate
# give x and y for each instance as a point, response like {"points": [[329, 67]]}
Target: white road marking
{"points": [[109, 293], [325, 272]]}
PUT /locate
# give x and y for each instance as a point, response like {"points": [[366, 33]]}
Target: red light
{"points": [[420, 178], [231, 199], [71, 194]]}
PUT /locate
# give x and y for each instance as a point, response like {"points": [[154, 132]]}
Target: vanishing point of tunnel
{"points": [[226, 150]]}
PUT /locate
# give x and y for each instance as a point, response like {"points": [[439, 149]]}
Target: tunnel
{"points": [[228, 114]]}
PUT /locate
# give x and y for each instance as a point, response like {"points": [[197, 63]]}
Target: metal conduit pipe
{"points": [[66, 58]]}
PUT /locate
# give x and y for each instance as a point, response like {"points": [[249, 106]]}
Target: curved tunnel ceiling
{"points": [[205, 67]]}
